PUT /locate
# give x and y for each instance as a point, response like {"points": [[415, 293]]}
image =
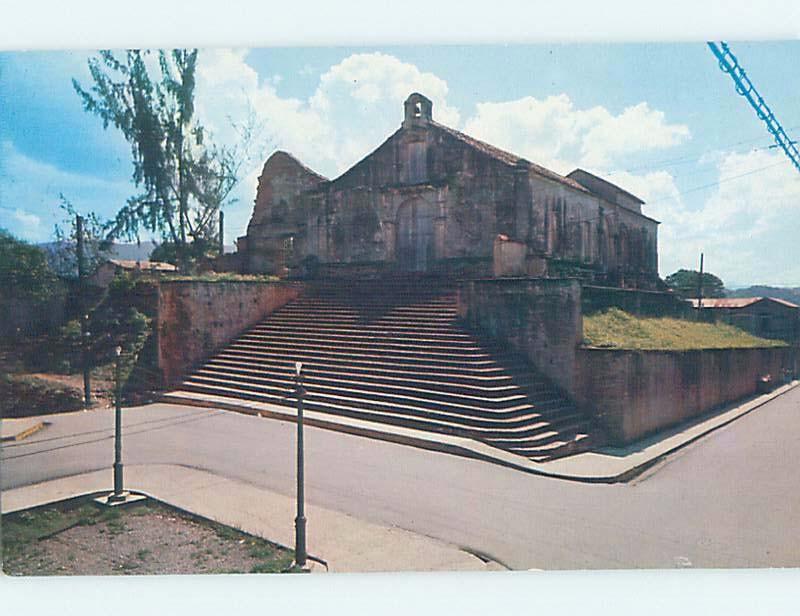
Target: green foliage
{"points": [[24, 271], [616, 329], [686, 283], [115, 324], [199, 249], [183, 177]]}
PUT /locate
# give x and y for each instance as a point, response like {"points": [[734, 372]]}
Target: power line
{"points": [[722, 181], [690, 158]]}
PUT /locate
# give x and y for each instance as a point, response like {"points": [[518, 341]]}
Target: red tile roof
{"points": [[130, 264], [739, 302]]}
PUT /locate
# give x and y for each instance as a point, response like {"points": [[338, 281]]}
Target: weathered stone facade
{"points": [[433, 199]]}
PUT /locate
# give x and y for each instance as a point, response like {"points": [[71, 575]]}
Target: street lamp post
{"points": [[300, 521], [119, 494], [87, 386]]}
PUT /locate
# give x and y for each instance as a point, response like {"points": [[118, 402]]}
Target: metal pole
{"points": [[221, 233], [300, 521], [79, 254], [118, 491], [87, 382], [700, 289]]}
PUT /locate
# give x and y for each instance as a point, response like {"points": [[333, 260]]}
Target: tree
{"points": [[183, 177], [686, 284], [25, 272]]}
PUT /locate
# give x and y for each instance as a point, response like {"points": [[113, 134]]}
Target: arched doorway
{"points": [[415, 236]]}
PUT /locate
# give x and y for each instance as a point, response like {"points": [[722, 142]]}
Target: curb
{"points": [[466, 448], [637, 470], [25, 433]]}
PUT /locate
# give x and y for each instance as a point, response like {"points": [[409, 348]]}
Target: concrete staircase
{"points": [[393, 353]]}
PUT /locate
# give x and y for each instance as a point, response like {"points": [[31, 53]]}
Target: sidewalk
{"points": [[604, 465], [343, 542]]}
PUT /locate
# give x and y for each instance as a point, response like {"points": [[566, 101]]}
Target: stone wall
{"points": [[537, 317], [634, 393], [631, 393], [197, 318]]}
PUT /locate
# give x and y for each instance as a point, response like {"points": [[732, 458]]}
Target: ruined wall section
{"points": [[276, 219]]}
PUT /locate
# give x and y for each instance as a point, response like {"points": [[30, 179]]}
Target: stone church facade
{"points": [[432, 199]]}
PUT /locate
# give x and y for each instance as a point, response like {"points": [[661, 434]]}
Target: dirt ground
{"points": [[143, 539], [28, 393]]}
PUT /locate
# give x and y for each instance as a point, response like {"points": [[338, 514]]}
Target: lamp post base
{"points": [[117, 500]]}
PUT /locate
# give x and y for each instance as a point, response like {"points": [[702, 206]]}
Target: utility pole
{"points": [[700, 288], [221, 233], [84, 318], [300, 555]]}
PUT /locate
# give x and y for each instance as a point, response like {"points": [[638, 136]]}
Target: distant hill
{"points": [[135, 252], [132, 252], [791, 294]]}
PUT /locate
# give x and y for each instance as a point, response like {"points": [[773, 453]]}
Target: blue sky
{"points": [[661, 120]]}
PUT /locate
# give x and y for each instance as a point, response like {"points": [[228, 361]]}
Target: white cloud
{"points": [[29, 222], [744, 223], [747, 227], [553, 132], [356, 105]]}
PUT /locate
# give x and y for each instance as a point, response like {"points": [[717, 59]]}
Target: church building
{"points": [[432, 199]]}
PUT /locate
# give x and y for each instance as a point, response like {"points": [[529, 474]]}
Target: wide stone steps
{"points": [[394, 356], [468, 405], [382, 373], [303, 353], [413, 381], [401, 416]]}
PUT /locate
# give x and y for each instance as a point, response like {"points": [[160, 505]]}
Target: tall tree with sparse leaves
{"points": [[184, 179]]}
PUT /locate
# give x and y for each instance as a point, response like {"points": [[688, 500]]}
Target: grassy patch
{"points": [[616, 329], [22, 531], [152, 538]]}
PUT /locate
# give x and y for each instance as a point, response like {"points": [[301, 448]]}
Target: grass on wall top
{"points": [[219, 277], [617, 329]]}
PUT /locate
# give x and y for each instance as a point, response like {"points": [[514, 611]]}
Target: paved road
{"points": [[730, 500]]}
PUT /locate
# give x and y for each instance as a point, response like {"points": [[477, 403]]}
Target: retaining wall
{"points": [[631, 393], [537, 317], [196, 318], [634, 393]]}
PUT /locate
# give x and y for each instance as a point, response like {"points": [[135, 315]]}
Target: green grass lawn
{"points": [[616, 329]]}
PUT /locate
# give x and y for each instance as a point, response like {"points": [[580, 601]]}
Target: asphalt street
{"points": [[732, 499]]}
